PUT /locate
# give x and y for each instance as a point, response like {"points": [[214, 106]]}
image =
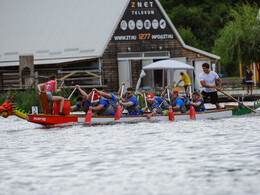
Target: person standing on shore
{"points": [[249, 80], [208, 80], [187, 84]]}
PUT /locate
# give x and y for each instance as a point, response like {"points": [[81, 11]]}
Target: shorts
{"points": [[249, 83], [49, 96], [186, 86], [213, 96]]}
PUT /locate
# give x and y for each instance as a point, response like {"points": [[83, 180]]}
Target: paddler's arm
{"points": [[73, 108], [164, 92], [82, 92], [219, 84], [128, 104], [144, 109], [40, 86], [140, 94], [203, 84], [118, 98], [153, 112], [176, 107], [102, 93], [195, 104], [99, 107]]}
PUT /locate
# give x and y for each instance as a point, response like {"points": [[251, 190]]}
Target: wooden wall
{"points": [[110, 64]]}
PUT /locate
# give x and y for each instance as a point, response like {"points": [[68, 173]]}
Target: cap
{"points": [[95, 98], [176, 92], [150, 96], [247, 67]]}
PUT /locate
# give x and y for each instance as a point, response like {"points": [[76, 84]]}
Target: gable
{"points": [[143, 20]]}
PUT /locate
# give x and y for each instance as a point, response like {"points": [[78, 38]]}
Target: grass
{"points": [[25, 100]]}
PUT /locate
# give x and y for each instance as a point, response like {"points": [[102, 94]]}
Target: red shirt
{"points": [[49, 86]]}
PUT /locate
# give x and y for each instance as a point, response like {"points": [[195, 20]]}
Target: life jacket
{"points": [[173, 103], [200, 108], [151, 107], [162, 103], [132, 109], [49, 86], [186, 102], [106, 110], [85, 106], [112, 103]]}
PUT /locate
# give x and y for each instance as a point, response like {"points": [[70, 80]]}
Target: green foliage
{"points": [[208, 25], [188, 37], [26, 100], [202, 18], [239, 40]]}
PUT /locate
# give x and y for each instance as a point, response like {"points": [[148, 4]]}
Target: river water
{"points": [[186, 157]]}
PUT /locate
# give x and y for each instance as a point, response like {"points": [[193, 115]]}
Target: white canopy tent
{"points": [[170, 65]]}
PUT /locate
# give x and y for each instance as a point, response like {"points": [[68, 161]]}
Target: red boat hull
{"points": [[51, 119]]}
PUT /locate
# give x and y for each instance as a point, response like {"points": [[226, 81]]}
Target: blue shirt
{"points": [[104, 103], [113, 98], [159, 100], [156, 105], [179, 102], [86, 102], [134, 100], [204, 109]]}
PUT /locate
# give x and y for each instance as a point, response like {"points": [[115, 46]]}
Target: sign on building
{"points": [[143, 20]]}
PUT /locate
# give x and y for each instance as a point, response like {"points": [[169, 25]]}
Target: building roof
{"points": [[57, 29], [62, 29]]}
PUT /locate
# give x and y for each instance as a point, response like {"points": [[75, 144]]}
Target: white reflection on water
{"points": [[185, 157]]}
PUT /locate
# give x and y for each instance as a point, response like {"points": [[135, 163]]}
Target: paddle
{"points": [[236, 100], [72, 93], [171, 116], [61, 84], [118, 110], [145, 102], [89, 114]]}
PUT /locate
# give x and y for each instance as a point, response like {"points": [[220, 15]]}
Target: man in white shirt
{"points": [[208, 81]]}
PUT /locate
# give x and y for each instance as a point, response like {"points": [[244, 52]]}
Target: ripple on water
{"points": [[185, 157]]}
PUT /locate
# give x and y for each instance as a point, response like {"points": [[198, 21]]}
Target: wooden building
{"points": [[91, 43]]}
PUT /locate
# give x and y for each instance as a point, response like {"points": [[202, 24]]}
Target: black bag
{"points": [[243, 81]]}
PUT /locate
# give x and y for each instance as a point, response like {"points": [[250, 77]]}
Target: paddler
{"points": [[130, 103], [100, 105], [110, 97], [176, 102], [208, 80], [197, 102], [82, 102], [163, 105], [152, 105], [49, 88]]}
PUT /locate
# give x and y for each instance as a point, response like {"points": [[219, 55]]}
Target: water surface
{"points": [[185, 157]]}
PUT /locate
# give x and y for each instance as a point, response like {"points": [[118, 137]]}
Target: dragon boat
{"points": [[47, 119]]}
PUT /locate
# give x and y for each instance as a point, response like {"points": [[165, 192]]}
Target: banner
{"points": [[143, 20]]}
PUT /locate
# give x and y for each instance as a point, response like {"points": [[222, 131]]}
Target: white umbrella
{"points": [[170, 65]]}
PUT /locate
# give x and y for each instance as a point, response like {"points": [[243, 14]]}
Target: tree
{"points": [[188, 37], [239, 40]]}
